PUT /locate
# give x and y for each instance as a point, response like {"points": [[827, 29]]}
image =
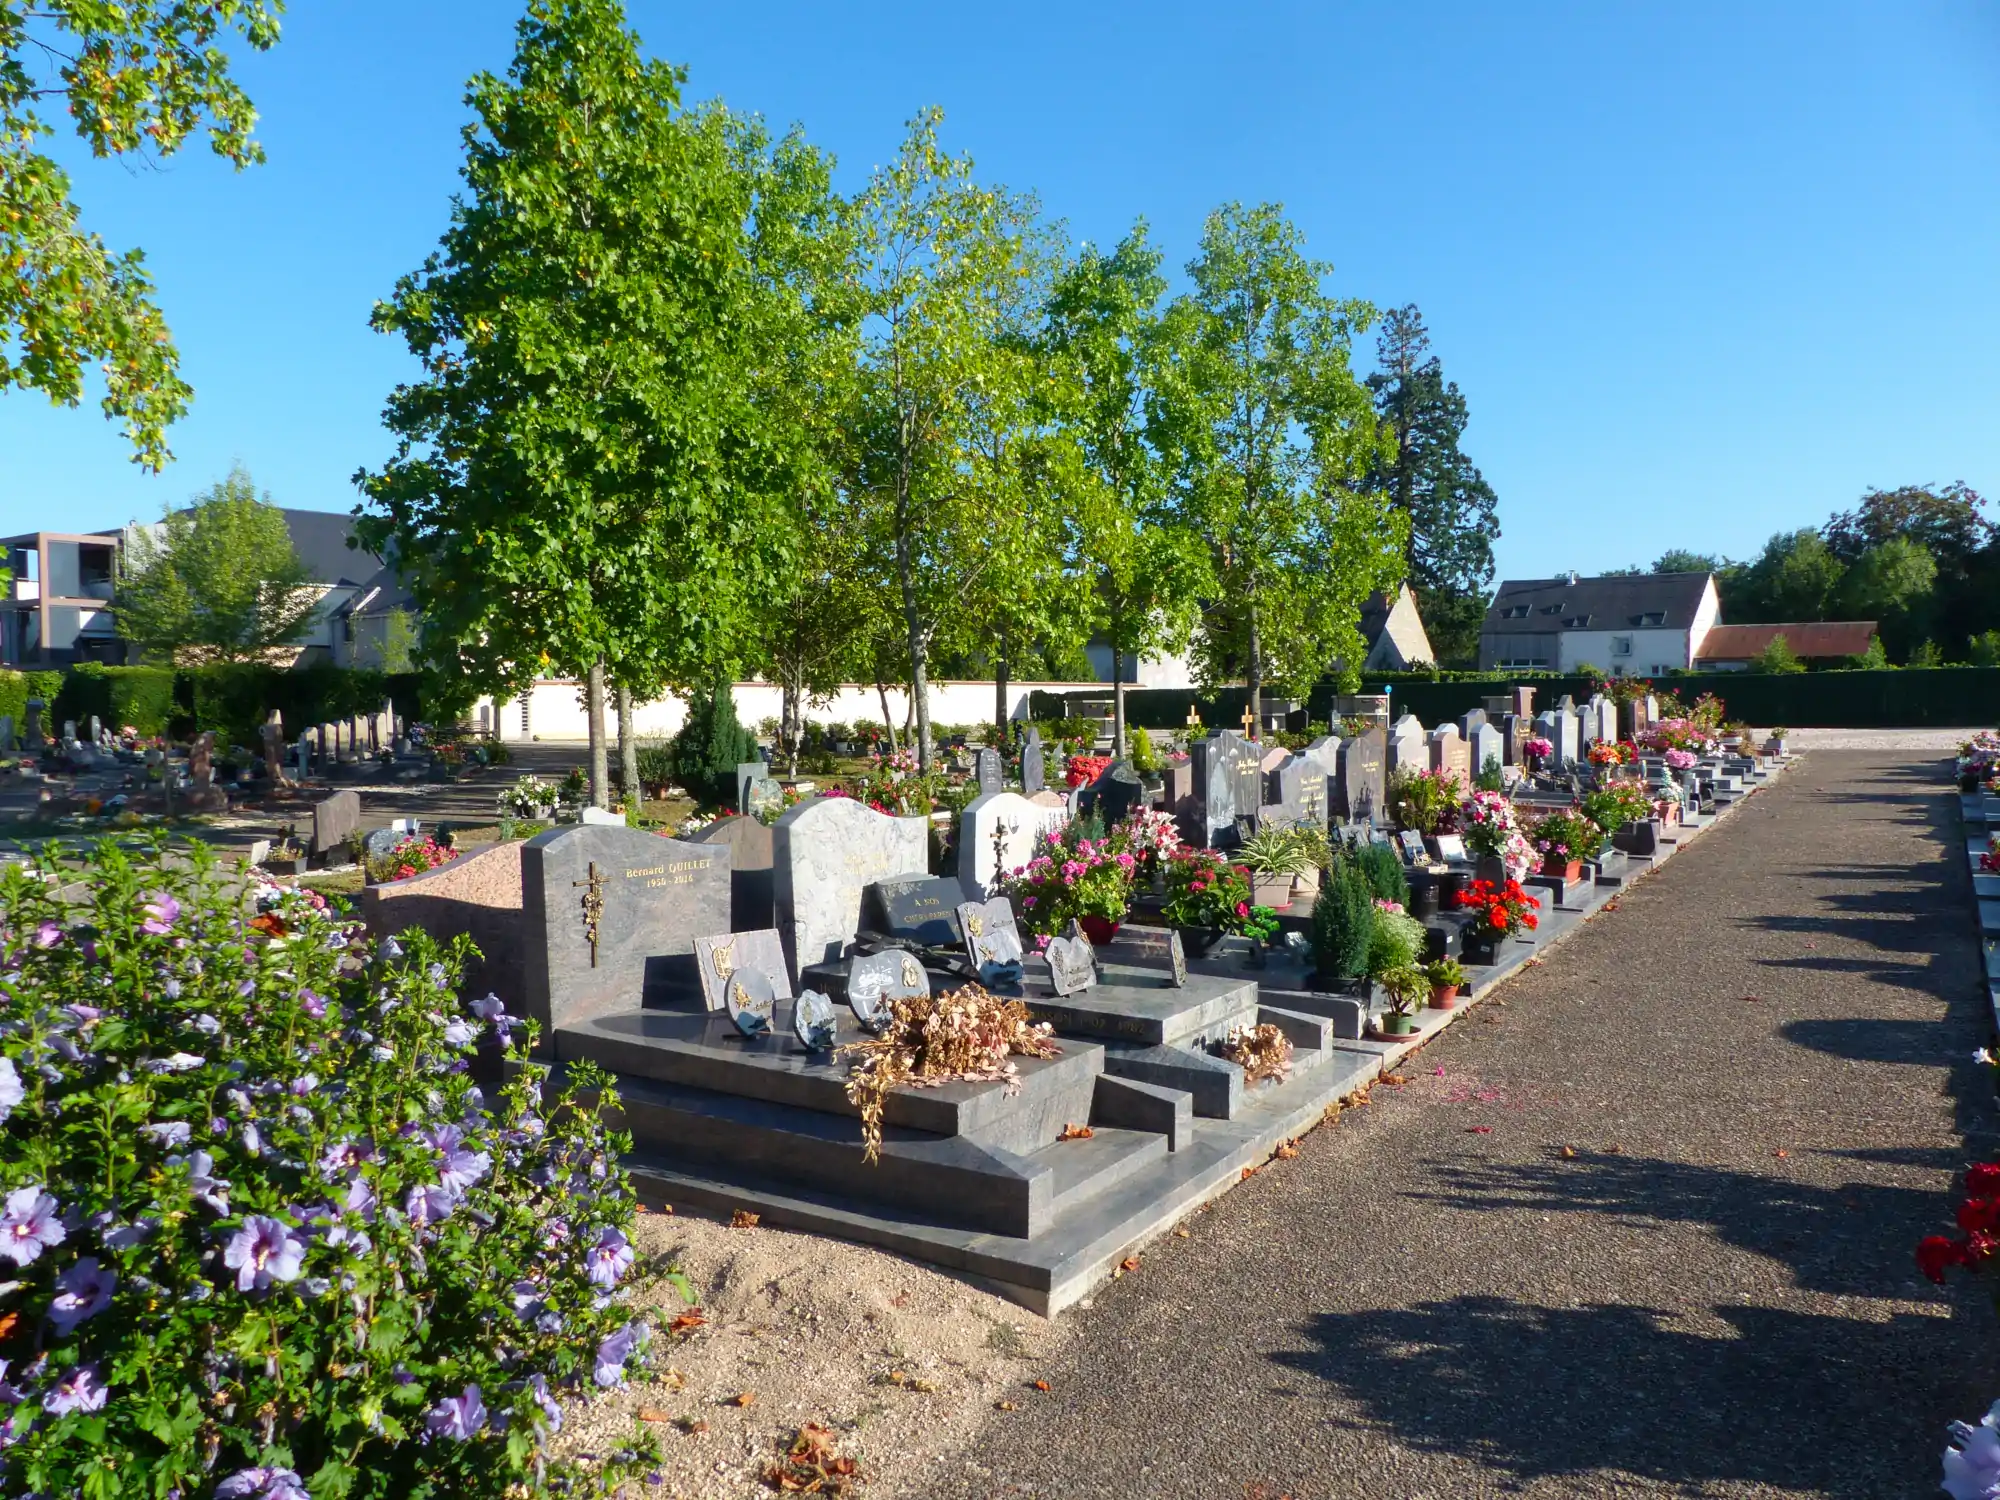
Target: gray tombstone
{"points": [[824, 853], [1449, 752], [1117, 790], [1361, 795], [991, 934], [1034, 773], [917, 908], [1487, 743], [748, 771], [751, 903], [988, 771], [1226, 787], [34, 737], [1180, 792], [1566, 737], [611, 917], [1299, 785], [1469, 722], [1513, 730], [1590, 722], [6, 732], [761, 795], [718, 956], [1546, 727], [1407, 748], [96, 730], [876, 981], [600, 817], [334, 820]]}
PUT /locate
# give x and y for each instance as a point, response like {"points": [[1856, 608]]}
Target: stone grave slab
{"points": [[825, 853], [334, 820], [988, 771], [477, 895], [611, 917], [1034, 769]]}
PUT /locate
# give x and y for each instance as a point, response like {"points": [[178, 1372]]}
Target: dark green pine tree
{"points": [[1450, 505]]}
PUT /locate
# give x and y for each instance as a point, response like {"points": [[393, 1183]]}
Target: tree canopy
{"points": [[136, 78], [218, 581]]}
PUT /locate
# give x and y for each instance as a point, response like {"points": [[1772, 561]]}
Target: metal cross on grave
{"points": [[593, 907]]}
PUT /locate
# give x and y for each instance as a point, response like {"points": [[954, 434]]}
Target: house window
{"points": [[1514, 612], [1621, 645]]}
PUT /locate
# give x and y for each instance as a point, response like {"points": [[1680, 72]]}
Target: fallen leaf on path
{"points": [[654, 1414], [1006, 1406], [1781, 1153], [1614, 1149], [1568, 1153], [1248, 1173], [1533, 963], [1129, 1263], [742, 1398], [1040, 1385], [812, 1465], [1286, 1151], [688, 1321], [909, 1382], [1076, 1133], [1479, 1130], [691, 1425], [744, 1219], [1396, 1079], [1751, 999], [1180, 1234]]}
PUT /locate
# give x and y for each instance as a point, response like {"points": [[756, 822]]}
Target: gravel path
{"points": [[1714, 1295]]}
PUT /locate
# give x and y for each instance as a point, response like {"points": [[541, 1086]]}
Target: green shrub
{"points": [[1395, 941], [1384, 869], [142, 697], [656, 764], [1145, 759], [283, 1240], [1343, 921], [710, 746]]}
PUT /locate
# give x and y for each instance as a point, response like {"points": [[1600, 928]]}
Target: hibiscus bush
{"points": [[263, 1234]]}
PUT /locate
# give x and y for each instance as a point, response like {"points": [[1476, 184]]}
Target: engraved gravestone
{"points": [[1567, 730], [748, 840], [1363, 786], [1114, 794], [1487, 745], [917, 908], [997, 834], [1034, 773], [991, 934], [1180, 791], [1299, 785], [32, 739], [1450, 754], [824, 853], [987, 771], [1226, 787], [1407, 749], [1411, 843], [1546, 728], [719, 955], [1469, 722], [1072, 963], [748, 771], [763, 797], [1513, 730], [611, 915], [334, 820], [876, 981]]}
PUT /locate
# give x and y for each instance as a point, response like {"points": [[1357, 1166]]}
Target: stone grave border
{"points": [[1979, 818]]}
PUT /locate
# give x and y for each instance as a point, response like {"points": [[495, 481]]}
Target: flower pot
{"points": [[1444, 996], [1450, 886], [1490, 867], [1199, 942], [273, 866], [1423, 895], [1479, 947], [1563, 869], [1305, 887], [1640, 836], [1394, 1024], [1100, 930], [1271, 890]]}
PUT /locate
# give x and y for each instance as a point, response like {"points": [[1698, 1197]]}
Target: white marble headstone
{"points": [[1024, 822]]}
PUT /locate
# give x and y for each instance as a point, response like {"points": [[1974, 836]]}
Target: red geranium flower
{"points": [[1983, 1181], [1936, 1253]]}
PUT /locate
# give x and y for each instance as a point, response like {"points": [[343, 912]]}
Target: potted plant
{"points": [[1492, 833], [1396, 941], [1535, 751], [1624, 810], [1564, 840], [1209, 899], [1275, 858], [287, 856], [1774, 743], [1343, 925], [1406, 988], [1425, 801], [1500, 910], [1074, 877], [1447, 978]]}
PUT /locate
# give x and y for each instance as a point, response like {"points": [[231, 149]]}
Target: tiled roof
{"points": [[1809, 638]]}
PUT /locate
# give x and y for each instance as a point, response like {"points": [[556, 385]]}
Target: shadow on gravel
{"points": [[1854, 1240], [1866, 1039], [1567, 1391]]}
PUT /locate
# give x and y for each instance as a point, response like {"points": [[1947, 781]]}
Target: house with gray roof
{"points": [[1639, 625]]}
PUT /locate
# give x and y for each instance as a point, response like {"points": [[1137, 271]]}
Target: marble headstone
{"points": [[1362, 790], [1034, 773], [1449, 753], [720, 955], [824, 853], [1227, 786], [1487, 743], [644, 899], [997, 834], [812, 1021], [1408, 750], [1114, 794], [749, 842], [334, 820], [1299, 785], [987, 771]]}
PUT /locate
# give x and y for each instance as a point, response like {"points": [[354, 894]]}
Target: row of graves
{"points": [[1978, 771], [729, 979]]}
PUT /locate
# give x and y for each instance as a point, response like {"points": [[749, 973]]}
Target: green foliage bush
{"points": [[710, 746], [656, 764], [265, 1228], [1343, 921], [142, 697], [1395, 941], [1384, 869], [1145, 759]]}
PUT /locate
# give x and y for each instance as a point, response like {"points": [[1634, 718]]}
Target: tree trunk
{"points": [[600, 770], [888, 720], [921, 702], [1255, 676], [790, 732], [1000, 715], [1117, 702], [628, 751]]}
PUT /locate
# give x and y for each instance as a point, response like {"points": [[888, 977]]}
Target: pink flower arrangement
{"points": [[1535, 747], [1679, 760]]}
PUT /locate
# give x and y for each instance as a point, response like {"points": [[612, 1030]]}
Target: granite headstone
{"points": [[824, 853], [751, 906]]}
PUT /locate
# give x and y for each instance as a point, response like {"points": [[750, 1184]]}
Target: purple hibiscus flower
{"points": [[264, 1250], [81, 1389], [538, 1387], [430, 1205], [11, 1090], [162, 911], [459, 1166], [168, 1133], [48, 935], [344, 1156], [608, 1259], [261, 1484], [28, 1225], [83, 1291], [457, 1417], [609, 1366], [208, 1188]]}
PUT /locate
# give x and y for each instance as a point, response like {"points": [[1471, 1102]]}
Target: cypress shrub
{"points": [[1343, 921], [1384, 868], [710, 746]]}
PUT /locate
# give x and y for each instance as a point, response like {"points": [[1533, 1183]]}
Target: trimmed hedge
{"points": [[1905, 698], [142, 697]]}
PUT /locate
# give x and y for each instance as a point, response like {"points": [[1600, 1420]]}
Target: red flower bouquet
{"points": [[1503, 909]]}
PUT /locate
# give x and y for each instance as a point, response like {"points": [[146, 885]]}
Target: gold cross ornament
{"points": [[593, 907], [1249, 721]]}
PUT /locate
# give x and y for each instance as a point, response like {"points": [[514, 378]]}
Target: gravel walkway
{"points": [[1713, 1295]]}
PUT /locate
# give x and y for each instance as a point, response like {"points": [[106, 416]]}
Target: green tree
{"points": [[943, 420], [136, 78], [1452, 510], [1793, 579], [1985, 649], [1271, 439], [1892, 583], [1874, 659], [711, 744], [583, 474], [218, 580], [1947, 521], [1145, 571], [1778, 657], [1680, 560]]}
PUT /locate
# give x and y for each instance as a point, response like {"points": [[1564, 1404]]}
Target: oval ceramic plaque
{"points": [[812, 1020], [751, 1002]]}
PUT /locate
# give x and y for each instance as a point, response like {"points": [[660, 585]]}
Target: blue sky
{"points": [[1703, 272]]}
